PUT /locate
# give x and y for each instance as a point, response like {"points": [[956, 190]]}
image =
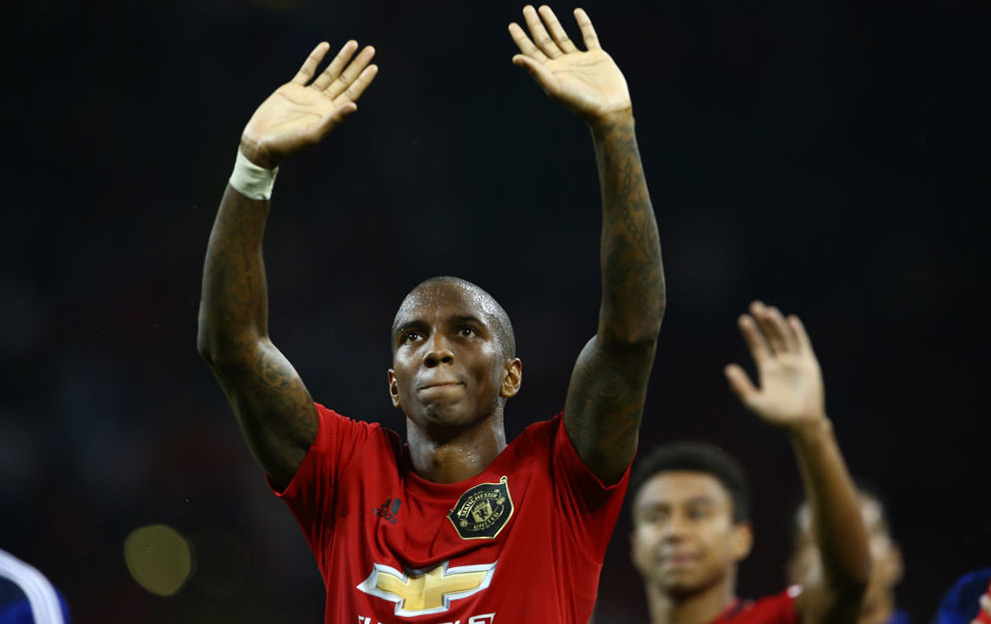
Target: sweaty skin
{"points": [[454, 431]]}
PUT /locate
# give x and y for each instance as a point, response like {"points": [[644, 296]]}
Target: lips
{"points": [[439, 384], [678, 559]]}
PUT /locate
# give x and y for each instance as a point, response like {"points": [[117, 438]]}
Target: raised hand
{"points": [[791, 390], [300, 112], [586, 82]]}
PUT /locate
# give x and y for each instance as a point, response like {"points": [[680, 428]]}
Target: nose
{"points": [[439, 351], [675, 528]]}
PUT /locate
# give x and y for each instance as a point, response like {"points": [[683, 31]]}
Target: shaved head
{"points": [[482, 302]]}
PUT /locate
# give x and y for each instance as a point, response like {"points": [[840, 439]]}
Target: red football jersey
{"points": [[522, 542], [776, 609]]}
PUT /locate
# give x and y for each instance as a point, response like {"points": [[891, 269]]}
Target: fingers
{"points": [[588, 32], [776, 330], [361, 83], [524, 44], [347, 77], [754, 339], [557, 31], [311, 63], [336, 65], [801, 336], [347, 103], [740, 384], [539, 34]]}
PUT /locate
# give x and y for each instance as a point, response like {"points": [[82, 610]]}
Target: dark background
{"points": [[829, 157]]}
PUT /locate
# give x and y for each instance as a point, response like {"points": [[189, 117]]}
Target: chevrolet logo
{"points": [[421, 592]]}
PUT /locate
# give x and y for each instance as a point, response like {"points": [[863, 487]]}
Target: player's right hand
{"points": [[301, 112]]}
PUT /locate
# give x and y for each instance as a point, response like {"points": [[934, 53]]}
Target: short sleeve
{"points": [[590, 507], [311, 492]]}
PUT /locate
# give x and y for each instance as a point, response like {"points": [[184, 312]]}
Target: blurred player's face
{"points": [[684, 539], [449, 369], [805, 567]]}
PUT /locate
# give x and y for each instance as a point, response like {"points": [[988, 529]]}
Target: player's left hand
{"points": [[587, 83], [791, 390]]}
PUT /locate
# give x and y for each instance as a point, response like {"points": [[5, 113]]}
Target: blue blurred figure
{"points": [[968, 601], [26, 596]]}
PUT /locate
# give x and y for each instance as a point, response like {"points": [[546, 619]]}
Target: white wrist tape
{"points": [[251, 180]]}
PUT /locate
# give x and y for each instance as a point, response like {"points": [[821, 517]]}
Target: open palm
{"points": [[587, 82], [791, 388], [300, 112]]}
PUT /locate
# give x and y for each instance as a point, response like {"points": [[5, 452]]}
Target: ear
{"points": [[512, 378], [393, 388], [742, 540]]}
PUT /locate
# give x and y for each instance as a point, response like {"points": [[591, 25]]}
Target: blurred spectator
{"points": [[968, 601], [26, 596]]}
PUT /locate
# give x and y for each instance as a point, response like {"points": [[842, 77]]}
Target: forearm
{"points": [[633, 295], [234, 305], [836, 519]]}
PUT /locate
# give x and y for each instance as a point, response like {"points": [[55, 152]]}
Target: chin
{"points": [[441, 418], [680, 585]]}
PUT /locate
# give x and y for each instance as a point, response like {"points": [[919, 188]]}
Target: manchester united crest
{"points": [[482, 511]]}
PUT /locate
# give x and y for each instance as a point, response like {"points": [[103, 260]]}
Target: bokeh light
{"points": [[159, 559]]}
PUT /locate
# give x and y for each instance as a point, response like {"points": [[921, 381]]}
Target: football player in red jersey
{"points": [[455, 524], [691, 508], [887, 567]]}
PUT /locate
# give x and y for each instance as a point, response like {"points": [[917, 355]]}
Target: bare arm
{"points": [[275, 411], [608, 386], [791, 397]]}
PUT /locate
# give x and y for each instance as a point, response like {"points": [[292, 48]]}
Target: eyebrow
{"points": [[701, 499], [455, 319], [466, 318], [695, 500], [416, 324]]}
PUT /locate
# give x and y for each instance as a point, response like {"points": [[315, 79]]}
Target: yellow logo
{"points": [[482, 511], [421, 592]]}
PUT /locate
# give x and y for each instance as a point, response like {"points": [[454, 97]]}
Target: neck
{"points": [[457, 455], [699, 607]]}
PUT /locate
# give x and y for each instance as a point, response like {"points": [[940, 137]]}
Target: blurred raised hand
{"points": [[790, 391]]}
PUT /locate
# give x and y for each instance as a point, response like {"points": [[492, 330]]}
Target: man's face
{"points": [[449, 370], [684, 539]]}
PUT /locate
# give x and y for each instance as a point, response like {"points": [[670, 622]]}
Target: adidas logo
{"points": [[389, 510]]}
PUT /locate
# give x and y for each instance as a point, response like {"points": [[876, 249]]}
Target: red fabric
{"points": [[546, 557], [775, 609], [984, 615]]}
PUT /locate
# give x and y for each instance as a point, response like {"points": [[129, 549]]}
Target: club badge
{"points": [[482, 511]]}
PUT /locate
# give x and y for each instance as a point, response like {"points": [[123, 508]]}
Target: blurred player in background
{"points": [[26, 596], [887, 567], [690, 502], [968, 601]]}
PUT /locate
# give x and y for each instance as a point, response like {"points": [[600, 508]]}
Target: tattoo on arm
{"points": [[608, 385], [273, 407]]}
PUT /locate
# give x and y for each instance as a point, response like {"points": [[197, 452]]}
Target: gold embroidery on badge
{"points": [[482, 511]]}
